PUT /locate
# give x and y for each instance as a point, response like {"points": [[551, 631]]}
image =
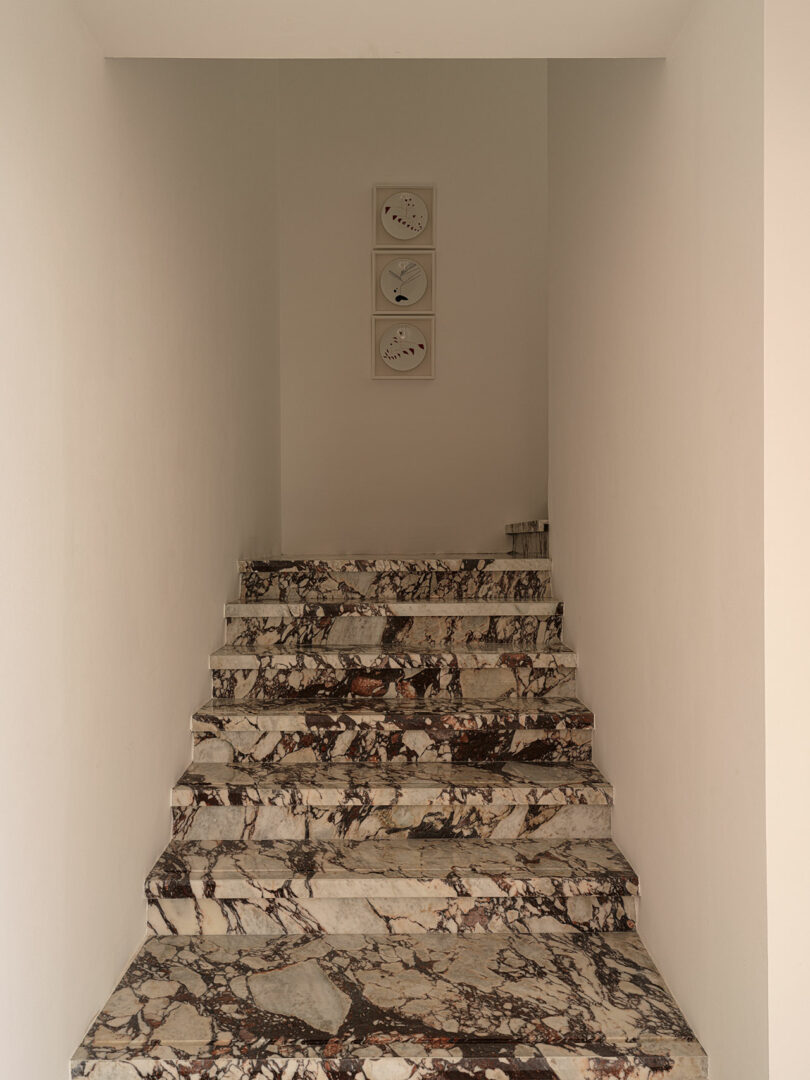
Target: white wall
{"points": [[787, 525], [139, 372], [436, 465], [368, 29], [655, 407]]}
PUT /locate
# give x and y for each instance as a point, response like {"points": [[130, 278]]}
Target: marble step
{"points": [[374, 730], [487, 671], [529, 538], [435, 624], [395, 577], [391, 1007], [330, 801], [390, 887]]}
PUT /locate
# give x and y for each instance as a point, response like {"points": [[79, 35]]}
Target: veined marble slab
{"points": [[235, 657], [536, 525], [222, 714], [371, 868], [396, 578], [408, 608], [495, 561], [359, 801], [361, 784], [554, 730], [488, 671], [550, 1007], [393, 886], [426, 625]]}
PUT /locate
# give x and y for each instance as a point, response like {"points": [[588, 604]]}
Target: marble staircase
{"points": [[391, 853]]}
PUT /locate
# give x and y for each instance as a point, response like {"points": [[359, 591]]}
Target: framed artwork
{"points": [[403, 281], [402, 347], [404, 215]]}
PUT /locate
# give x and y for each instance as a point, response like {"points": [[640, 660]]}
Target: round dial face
{"points": [[404, 215], [403, 347], [403, 282]]}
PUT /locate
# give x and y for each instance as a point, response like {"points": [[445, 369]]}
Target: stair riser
{"points": [[203, 822], [530, 545], [392, 915], [419, 632], [383, 742], [315, 677], [333, 585]]}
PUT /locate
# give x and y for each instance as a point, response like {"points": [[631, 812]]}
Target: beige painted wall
{"points": [[655, 484], [416, 466], [787, 525], [139, 363], [364, 28]]}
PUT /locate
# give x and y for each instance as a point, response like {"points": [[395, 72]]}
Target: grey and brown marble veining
{"points": [[403, 578], [436, 625], [388, 1007], [553, 730], [389, 742], [199, 821], [393, 886], [335, 800], [488, 671]]}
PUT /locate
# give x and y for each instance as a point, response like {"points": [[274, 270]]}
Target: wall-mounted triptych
{"points": [[403, 273]]}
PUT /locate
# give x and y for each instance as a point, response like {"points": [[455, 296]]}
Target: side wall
{"points": [[787, 518], [656, 474], [432, 465], [139, 374]]}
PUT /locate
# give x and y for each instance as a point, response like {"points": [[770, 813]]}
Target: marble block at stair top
{"points": [[550, 1007]]}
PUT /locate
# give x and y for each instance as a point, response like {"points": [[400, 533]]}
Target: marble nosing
{"points": [[240, 714], [536, 525]]}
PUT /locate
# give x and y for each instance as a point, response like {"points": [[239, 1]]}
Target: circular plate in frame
{"points": [[404, 215], [403, 347], [403, 282]]}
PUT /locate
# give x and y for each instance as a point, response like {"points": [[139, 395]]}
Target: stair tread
{"points": [[498, 560], [552, 1004], [406, 608], [498, 654], [385, 784], [465, 714], [385, 868]]}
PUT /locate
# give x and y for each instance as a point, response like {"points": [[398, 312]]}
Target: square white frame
{"points": [[382, 239], [380, 304], [425, 370]]}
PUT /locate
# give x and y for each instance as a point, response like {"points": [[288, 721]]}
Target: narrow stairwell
{"points": [[391, 854]]}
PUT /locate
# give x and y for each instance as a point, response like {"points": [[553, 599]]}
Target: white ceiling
{"points": [[364, 29]]}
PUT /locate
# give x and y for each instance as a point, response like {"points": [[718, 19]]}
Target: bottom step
{"points": [[555, 1007]]}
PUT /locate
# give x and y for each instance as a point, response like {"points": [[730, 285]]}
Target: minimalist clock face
{"points": [[403, 282], [404, 215], [403, 347]]}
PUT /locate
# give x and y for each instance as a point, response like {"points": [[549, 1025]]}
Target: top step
{"points": [[395, 577], [529, 537]]}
